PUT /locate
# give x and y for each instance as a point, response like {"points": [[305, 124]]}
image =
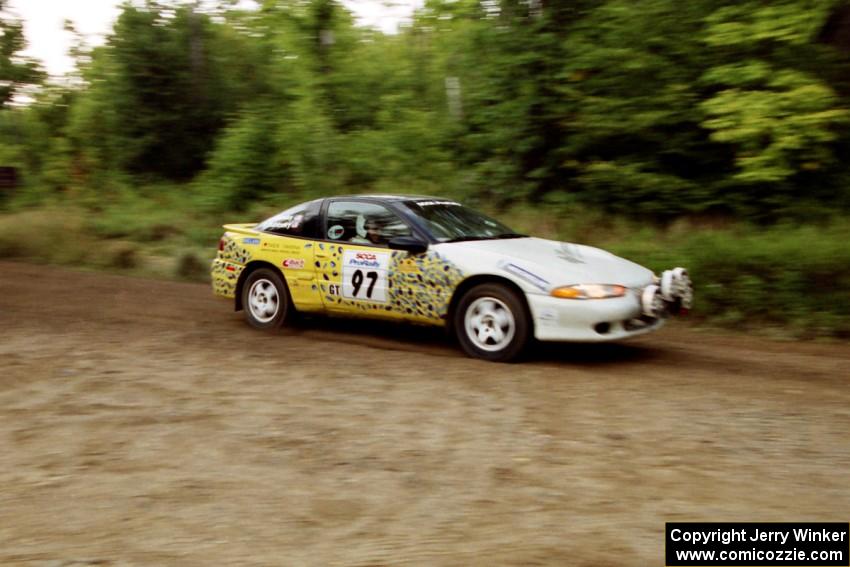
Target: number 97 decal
{"points": [[364, 275], [357, 282]]}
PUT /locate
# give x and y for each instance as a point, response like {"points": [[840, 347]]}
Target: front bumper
{"points": [[591, 320]]}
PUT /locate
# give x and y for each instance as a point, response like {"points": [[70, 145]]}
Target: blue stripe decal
{"points": [[526, 275]]}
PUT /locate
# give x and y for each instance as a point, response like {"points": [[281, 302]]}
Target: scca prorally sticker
{"points": [[364, 275], [293, 263], [250, 241]]}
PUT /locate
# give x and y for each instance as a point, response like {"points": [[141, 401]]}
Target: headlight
{"points": [[589, 291]]}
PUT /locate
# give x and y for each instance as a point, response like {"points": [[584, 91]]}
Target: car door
{"points": [[288, 242], [354, 262]]}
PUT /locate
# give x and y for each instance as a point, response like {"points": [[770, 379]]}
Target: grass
{"points": [[786, 280], [71, 236]]}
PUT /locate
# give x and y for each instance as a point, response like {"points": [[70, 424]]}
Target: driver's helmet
{"points": [[360, 226]]}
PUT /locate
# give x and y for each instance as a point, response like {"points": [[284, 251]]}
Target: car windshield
{"points": [[452, 222]]}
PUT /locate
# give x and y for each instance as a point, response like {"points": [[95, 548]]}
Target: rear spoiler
{"points": [[242, 228]]}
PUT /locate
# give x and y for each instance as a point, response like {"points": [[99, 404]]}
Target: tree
{"points": [[15, 71], [631, 91], [156, 92], [772, 101]]}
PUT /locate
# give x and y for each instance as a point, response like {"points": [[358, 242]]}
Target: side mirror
{"points": [[409, 244]]}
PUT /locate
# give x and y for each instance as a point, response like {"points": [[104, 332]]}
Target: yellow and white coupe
{"points": [[433, 261]]}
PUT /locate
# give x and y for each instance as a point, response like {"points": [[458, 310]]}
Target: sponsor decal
{"points": [[293, 263], [546, 316], [283, 247], [253, 241], [432, 203], [364, 260], [364, 276], [335, 232], [287, 223], [570, 253]]}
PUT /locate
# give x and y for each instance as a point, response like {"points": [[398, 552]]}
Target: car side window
{"points": [[301, 220], [363, 223]]}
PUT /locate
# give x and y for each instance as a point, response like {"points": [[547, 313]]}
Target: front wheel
{"points": [[492, 323], [265, 299]]}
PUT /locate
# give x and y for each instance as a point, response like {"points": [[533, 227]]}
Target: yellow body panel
{"points": [[293, 257], [341, 277]]}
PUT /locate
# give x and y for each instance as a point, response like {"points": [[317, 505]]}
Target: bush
{"points": [[787, 276], [190, 267], [56, 236], [790, 276], [119, 254]]}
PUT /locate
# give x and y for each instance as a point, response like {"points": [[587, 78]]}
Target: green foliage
{"points": [[773, 106], [654, 109], [149, 214], [16, 71], [157, 97], [777, 131], [645, 112], [792, 276], [660, 109], [243, 166], [48, 235], [789, 276], [507, 122]]}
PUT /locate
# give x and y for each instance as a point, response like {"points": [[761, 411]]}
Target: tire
{"points": [[265, 299], [491, 322]]}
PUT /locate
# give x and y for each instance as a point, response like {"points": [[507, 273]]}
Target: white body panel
{"points": [[537, 266]]}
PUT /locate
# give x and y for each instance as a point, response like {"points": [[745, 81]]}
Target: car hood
{"points": [[548, 263]]}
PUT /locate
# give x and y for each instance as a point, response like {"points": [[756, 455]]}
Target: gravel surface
{"points": [[144, 423]]}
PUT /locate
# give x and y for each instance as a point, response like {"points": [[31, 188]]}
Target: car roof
{"points": [[391, 197]]}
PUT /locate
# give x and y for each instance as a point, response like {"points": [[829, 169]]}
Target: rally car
{"points": [[434, 261]]}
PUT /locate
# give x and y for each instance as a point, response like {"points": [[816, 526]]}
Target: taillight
{"points": [[221, 244]]}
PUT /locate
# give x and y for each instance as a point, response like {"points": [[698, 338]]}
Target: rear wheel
{"points": [[265, 299], [492, 323]]}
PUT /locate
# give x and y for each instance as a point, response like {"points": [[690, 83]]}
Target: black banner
{"points": [[691, 544]]}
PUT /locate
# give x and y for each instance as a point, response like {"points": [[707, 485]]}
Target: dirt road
{"points": [[143, 423]]}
